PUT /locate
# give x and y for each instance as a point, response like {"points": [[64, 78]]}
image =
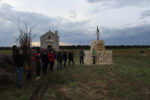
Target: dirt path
{"points": [[44, 89], [39, 92], [35, 94]]}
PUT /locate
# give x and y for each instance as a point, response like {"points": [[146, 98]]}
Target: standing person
{"points": [[45, 61], [18, 62], [82, 56], [51, 60], [65, 58], [37, 59], [94, 56], [71, 58], [59, 60], [27, 61]]}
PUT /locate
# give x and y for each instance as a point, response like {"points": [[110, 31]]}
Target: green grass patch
{"points": [[128, 78]]}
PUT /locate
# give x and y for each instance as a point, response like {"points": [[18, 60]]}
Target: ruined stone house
{"points": [[50, 40]]}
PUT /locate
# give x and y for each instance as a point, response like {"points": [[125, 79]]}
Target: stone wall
{"points": [[98, 45], [102, 56]]}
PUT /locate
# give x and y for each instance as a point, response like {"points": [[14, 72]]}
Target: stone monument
{"points": [[102, 56]]}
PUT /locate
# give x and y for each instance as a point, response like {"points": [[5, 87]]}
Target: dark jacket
{"points": [[45, 58], [17, 59], [70, 56], [64, 56], [82, 53], [59, 57], [27, 58]]}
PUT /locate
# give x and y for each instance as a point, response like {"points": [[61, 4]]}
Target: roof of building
{"points": [[49, 32]]}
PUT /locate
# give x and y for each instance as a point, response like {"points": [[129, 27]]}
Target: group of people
{"points": [[43, 60]]}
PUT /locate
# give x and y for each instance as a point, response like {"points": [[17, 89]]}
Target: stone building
{"points": [[50, 40]]}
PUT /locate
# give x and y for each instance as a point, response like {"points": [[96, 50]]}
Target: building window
{"points": [[49, 37]]}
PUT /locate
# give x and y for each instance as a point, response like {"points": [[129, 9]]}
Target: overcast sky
{"points": [[121, 22]]}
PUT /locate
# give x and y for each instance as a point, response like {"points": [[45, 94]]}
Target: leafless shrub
{"points": [[24, 40]]}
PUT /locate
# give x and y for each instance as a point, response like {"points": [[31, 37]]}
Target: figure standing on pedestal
{"points": [[94, 56], [97, 32]]}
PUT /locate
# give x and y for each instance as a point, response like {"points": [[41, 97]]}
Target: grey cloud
{"points": [[71, 32], [121, 3], [145, 13], [94, 1], [9, 18], [98, 6], [138, 35]]}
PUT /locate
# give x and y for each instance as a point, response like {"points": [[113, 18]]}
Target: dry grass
{"points": [[127, 79]]}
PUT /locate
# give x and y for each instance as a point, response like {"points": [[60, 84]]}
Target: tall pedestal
{"points": [[102, 56]]}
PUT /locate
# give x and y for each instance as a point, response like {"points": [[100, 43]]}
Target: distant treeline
{"points": [[88, 47], [107, 46]]}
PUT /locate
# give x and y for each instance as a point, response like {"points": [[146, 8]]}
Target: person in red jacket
{"points": [[51, 60], [37, 58]]}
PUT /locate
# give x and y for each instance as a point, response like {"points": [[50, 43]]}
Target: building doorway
{"points": [[49, 47]]}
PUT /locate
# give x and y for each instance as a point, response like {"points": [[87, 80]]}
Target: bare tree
{"points": [[24, 40]]}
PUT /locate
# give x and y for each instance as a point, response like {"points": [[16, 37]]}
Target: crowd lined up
{"points": [[44, 61], [48, 58]]}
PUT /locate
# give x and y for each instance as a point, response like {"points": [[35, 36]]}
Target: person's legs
{"points": [[52, 65], [44, 68], [80, 59], [64, 63], [69, 62], [38, 69], [46, 65], [58, 65], [93, 59], [29, 75], [19, 76], [73, 61], [27, 72]]}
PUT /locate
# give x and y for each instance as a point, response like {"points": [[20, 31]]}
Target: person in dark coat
{"points": [[64, 58], [59, 60], [71, 58], [18, 62], [45, 61], [82, 56], [27, 61]]}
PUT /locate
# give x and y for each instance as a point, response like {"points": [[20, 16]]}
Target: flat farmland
{"points": [[128, 78]]}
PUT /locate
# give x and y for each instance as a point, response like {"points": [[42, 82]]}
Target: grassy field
{"points": [[5, 51], [128, 78]]}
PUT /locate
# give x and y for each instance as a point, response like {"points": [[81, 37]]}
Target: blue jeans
{"points": [[19, 71], [59, 65]]}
